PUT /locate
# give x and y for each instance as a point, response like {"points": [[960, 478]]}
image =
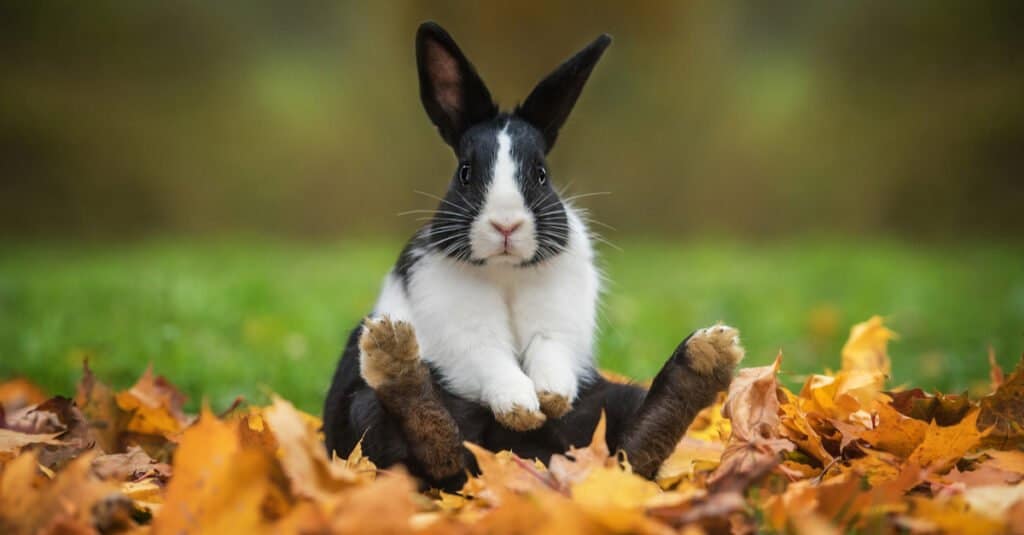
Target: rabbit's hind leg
{"points": [[700, 368], [390, 364]]}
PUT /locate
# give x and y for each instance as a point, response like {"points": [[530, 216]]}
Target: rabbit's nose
{"points": [[506, 229]]}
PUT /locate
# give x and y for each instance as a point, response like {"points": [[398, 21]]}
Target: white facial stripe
{"points": [[504, 195], [505, 206]]}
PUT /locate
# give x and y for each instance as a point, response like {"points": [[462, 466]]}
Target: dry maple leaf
{"points": [[12, 442], [303, 457], [1003, 412], [865, 349], [753, 407], [133, 465], [219, 486], [32, 503], [943, 446], [839, 456], [578, 462], [895, 433]]}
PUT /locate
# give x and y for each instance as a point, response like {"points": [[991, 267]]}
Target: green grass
{"points": [[250, 317]]}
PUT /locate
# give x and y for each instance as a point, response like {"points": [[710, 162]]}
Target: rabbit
{"points": [[484, 328]]}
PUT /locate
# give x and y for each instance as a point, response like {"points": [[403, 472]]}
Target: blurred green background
{"points": [[212, 187]]}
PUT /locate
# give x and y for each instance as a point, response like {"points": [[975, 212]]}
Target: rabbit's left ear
{"points": [[452, 92], [549, 103]]}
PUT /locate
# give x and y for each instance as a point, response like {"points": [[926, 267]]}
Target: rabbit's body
{"points": [[500, 333], [484, 328]]}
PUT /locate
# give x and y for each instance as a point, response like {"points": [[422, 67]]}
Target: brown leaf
{"points": [[12, 442], [1003, 412], [32, 503], [98, 403], [133, 465], [752, 404], [945, 409], [157, 392], [754, 447]]}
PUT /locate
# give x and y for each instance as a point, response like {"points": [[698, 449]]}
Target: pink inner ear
{"points": [[444, 74]]}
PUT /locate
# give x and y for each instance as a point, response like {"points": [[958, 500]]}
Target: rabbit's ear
{"points": [[452, 93], [549, 103]]}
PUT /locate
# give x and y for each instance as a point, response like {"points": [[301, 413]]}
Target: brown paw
{"points": [[520, 418], [714, 348], [388, 351], [553, 405]]}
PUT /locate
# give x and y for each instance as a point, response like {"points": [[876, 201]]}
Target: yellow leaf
{"points": [[689, 456], [943, 446], [895, 433], [303, 456], [865, 350], [218, 486], [614, 497]]}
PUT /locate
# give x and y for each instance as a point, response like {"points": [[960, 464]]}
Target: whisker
{"points": [[432, 196], [446, 212], [585, 195]]}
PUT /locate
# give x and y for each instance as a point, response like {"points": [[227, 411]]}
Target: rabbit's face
{"points": [[501, 207]]}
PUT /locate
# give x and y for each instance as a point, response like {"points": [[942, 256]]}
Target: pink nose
{"points": [[506, 230]]}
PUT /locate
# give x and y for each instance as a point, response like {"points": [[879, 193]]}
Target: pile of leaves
{"points": [[842, 454]]}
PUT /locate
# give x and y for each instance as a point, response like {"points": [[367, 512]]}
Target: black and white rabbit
{"points": [[484, 329]]}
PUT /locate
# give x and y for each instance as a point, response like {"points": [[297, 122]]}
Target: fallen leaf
{"points": [[943, 446], [578, 462], [18, 393], [32, 503], [894, 432], [689, 456], [12, 442], [302, 455], [98, 403], [866, 349], [755, 446], [218, 486], [1002, 412], [133, 465]]}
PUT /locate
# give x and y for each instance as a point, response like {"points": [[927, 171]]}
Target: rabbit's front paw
{"points": [[515, 404], [715, 348], [554, 405], [519, 418], [388, 351]]}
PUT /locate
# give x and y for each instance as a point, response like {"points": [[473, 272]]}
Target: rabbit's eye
{"points": [[542, 175], [464, 174]]}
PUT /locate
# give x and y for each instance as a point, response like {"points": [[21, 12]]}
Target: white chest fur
{"points": [[499, 334]]}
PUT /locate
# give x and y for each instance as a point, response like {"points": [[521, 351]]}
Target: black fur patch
{"points": [[449, 232], [645, 424]]}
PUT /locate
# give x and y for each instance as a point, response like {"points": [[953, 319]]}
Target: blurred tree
{"points": [[121, 119]]}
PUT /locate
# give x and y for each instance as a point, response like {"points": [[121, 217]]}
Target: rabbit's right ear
{"points": [[452, 93]]}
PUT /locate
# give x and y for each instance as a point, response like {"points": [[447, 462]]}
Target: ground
{"points": [[247, 317]]}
